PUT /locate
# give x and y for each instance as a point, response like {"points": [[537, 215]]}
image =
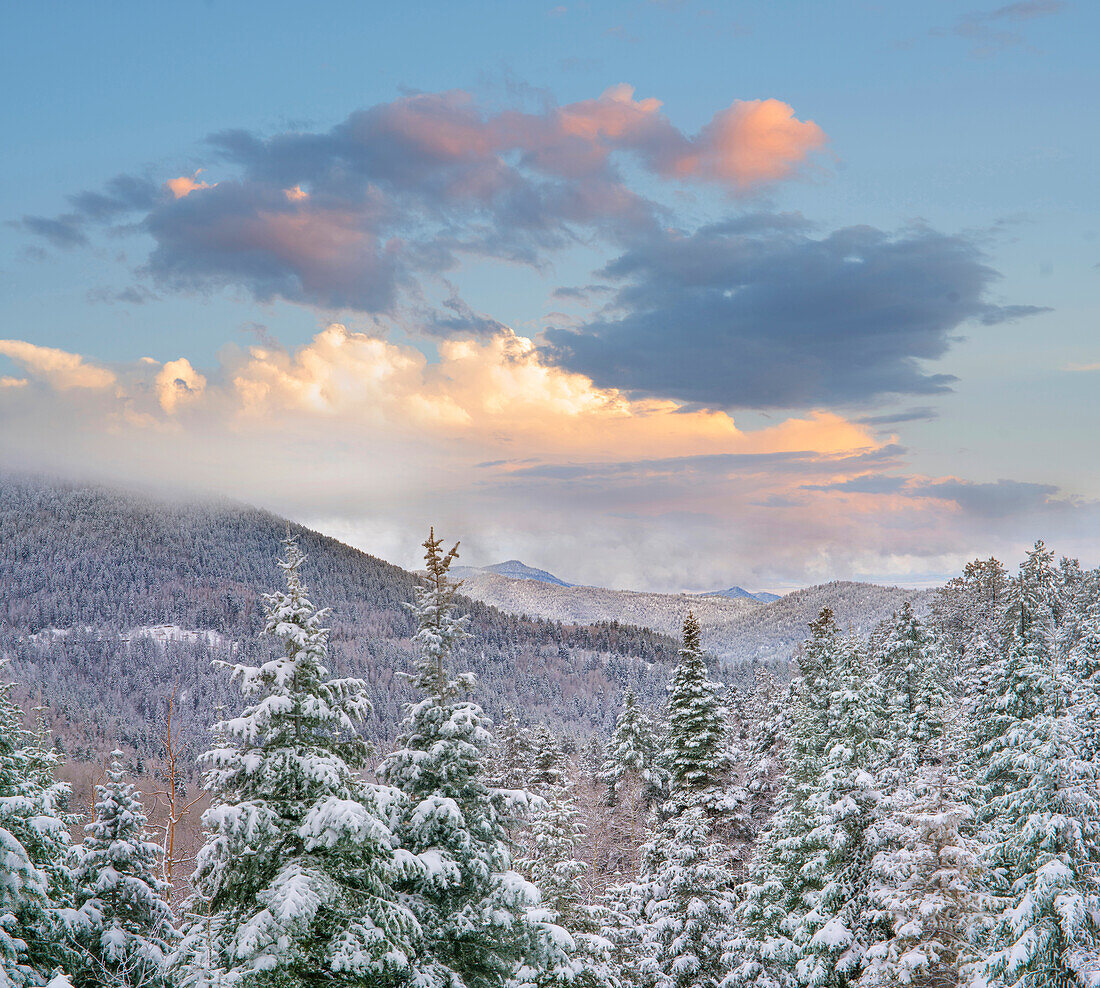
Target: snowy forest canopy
{"points": [[915, 806]]}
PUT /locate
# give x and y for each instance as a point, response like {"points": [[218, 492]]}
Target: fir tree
{"points": [[631, 761], [806, 910], [35, 884], [121, 923], [482, 923], [697, 759], [910, 686], [293, 886], [682, 905], [1041, 815]]}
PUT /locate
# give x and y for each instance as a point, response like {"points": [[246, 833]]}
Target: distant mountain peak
{"points": [[740, 593], [517, 570]]}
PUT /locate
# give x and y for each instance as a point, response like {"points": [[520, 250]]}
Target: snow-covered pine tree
{"points": [[805, 911], [1041, 814], [293, 886], [121, 922], [696, 753], [631, 766], [511, 756], [924, 890], [482, 923], [545, 769], [35, 884], [911, 686], [678, 914]]}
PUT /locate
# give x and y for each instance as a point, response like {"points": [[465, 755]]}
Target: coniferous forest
{"points": [[918, 806]]}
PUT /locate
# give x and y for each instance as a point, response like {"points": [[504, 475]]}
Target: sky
{"points": [[667, 296]]}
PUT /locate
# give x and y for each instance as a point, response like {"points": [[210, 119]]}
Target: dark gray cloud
{"points": [[922, 414], [60, 231], [993, 500], [757, 313], [871, 484]]}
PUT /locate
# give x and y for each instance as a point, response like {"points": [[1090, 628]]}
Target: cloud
{"points": [[371, 440], [985, 27], [178, 383], [57, 368], [350, 217], [61, 231], [758, 313], [1082, 368], [186, 184], [1002, 499], [921, 414]]}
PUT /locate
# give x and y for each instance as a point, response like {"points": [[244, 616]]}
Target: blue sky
{"points": [[960, 132]]}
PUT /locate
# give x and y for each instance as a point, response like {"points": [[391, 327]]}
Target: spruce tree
{"points": [[806, 913], [1041, 815], [482, 923], [631, 762], [122, 923], [911, 686], [35, 883], [680, 910], [293, 886], [697, 758]]}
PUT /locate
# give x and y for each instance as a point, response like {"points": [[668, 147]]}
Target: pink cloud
{"points": [[750, 142]]}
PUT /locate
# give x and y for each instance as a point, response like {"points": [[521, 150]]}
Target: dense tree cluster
{"points": [[913, 806]]}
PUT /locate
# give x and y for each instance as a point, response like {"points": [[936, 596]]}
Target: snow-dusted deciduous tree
{"points": [[294, 884], [121, 921]]}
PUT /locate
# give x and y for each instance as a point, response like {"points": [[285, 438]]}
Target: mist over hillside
{"points": [[738, 630], [93, 576]]}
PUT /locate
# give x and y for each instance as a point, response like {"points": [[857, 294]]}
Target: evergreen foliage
{"points": [[482, 923], [121, 920], [294, 885]]}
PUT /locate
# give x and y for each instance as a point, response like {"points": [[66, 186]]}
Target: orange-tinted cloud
{"points": [[58, 368], [752, 141], [186, 184]]}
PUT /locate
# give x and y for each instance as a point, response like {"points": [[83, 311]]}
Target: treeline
{"points": [[87, 572]]}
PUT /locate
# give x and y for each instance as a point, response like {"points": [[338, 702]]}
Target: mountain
{"points": [[514, 569], [739, 630], [111, 600], [740, 593]]}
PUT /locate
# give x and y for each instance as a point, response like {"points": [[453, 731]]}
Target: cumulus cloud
{"points": [[370, 440], [758, 312], [347, 218], [57, 368], [178, 383]]}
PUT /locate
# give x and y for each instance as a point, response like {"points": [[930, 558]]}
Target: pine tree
{"points": [[35, 884], [631, 762], [482, 923], [911, 686], [1041, 814], [511, 761], [698, 761], [293, 886], [806, 910], [545, 771], [926, 880], [122, 923], [678, 913]]}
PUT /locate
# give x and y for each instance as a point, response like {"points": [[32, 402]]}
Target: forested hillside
{"points": [[89, 575], [739, 631]]}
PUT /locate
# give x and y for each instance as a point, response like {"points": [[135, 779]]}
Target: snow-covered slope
{"points": [[735, 629]]}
